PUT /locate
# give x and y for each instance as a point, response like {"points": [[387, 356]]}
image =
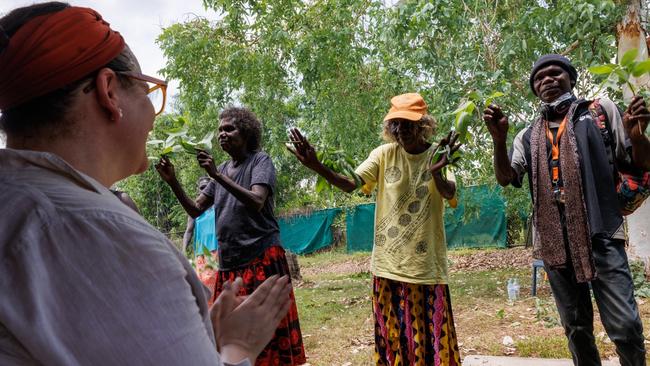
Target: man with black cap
{"points": [[578, 224]]}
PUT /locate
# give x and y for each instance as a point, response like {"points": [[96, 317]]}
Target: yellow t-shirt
{"points": [[410, 244]]}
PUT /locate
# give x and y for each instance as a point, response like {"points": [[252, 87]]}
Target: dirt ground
{"points": [[486, 322]]}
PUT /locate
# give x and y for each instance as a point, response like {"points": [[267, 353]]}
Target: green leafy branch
{"points": [[468, 112], [616, 76], [340, 162], [179, 140]]}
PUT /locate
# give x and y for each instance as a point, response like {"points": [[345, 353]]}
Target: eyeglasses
{"points": [[157, 92]]}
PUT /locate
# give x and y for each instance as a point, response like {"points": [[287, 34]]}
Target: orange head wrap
{"points": [[52, 51]]}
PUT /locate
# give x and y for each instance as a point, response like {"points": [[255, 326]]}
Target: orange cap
{"points": [[408, 106]]}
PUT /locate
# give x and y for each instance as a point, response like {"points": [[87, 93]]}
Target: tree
{"points": [[331, 66], [631, 35]]}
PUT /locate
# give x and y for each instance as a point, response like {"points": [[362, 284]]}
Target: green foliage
{"points": [[330, 68], [151, 194], [616, 76], [469, 112], [177, 139], [546, 313], [641, 285], [338, 161]]}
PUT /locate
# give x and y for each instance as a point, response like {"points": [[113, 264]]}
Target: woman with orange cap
{"points": [[84, 279], [414, 322]]}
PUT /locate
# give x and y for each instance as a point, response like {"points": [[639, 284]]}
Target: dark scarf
{"points": [[547, 213]]}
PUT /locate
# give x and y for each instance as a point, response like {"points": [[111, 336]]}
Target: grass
{"points": [[543, 347], [336, 320], [334, 303], [336, 255]]}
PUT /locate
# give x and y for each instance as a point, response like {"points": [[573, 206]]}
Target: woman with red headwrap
{"points": [[76, 113]]}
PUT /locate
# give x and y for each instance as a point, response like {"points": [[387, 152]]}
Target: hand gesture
{"points": [[302, 149], [450, 145], [636, 117], [497, 123], [206, 162], [165, 169], [244, 325]]}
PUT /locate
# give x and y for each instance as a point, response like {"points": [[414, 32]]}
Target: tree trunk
{"points": [[630, 35]]}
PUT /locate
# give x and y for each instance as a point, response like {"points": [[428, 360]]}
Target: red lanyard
{"points": [[555, 149]]}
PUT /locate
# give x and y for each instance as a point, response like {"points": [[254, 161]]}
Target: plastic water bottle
{"points": [[513, 289]]}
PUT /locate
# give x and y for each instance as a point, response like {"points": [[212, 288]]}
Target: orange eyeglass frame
{"points": [[160, 84]]}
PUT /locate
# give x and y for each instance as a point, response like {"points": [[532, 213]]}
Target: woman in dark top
{"points": [[242, 193]]}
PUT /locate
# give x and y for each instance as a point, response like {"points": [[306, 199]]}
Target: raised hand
{"points": [[206, 162], [243, 326], [636, 117], [165, 169], [451, 145], [497, 123], [302, 149]]}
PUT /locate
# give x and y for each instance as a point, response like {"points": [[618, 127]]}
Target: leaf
{"points": [[206, 141], [350, 161], [177, 132], [167, 150], [155, 142], [321, 184], [493, 96], [461, 122], [474, 96], [602, 69], [622, 76], [169, 142], [188, 147], [628, 57], [464, 107], [641, 68]]}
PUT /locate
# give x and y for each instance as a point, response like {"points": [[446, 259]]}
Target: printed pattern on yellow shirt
{"points": [[410, 243]]}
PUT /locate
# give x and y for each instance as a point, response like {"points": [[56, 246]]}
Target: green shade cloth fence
{"points": [[307, 234], [360, 226], [484, 227], [485, 224]]}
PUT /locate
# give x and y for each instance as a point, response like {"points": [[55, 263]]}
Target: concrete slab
{"points": [[520, 361]]}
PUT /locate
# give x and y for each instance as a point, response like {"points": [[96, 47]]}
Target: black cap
{"points": [[553, 59]]}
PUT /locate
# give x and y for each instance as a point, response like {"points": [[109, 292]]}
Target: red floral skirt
{"points": [[286, 348]]}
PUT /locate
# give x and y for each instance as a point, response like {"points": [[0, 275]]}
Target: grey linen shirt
{"points": [[84, 280]]}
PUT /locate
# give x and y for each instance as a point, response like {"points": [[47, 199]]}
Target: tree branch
{"points": [[571, 47]]}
